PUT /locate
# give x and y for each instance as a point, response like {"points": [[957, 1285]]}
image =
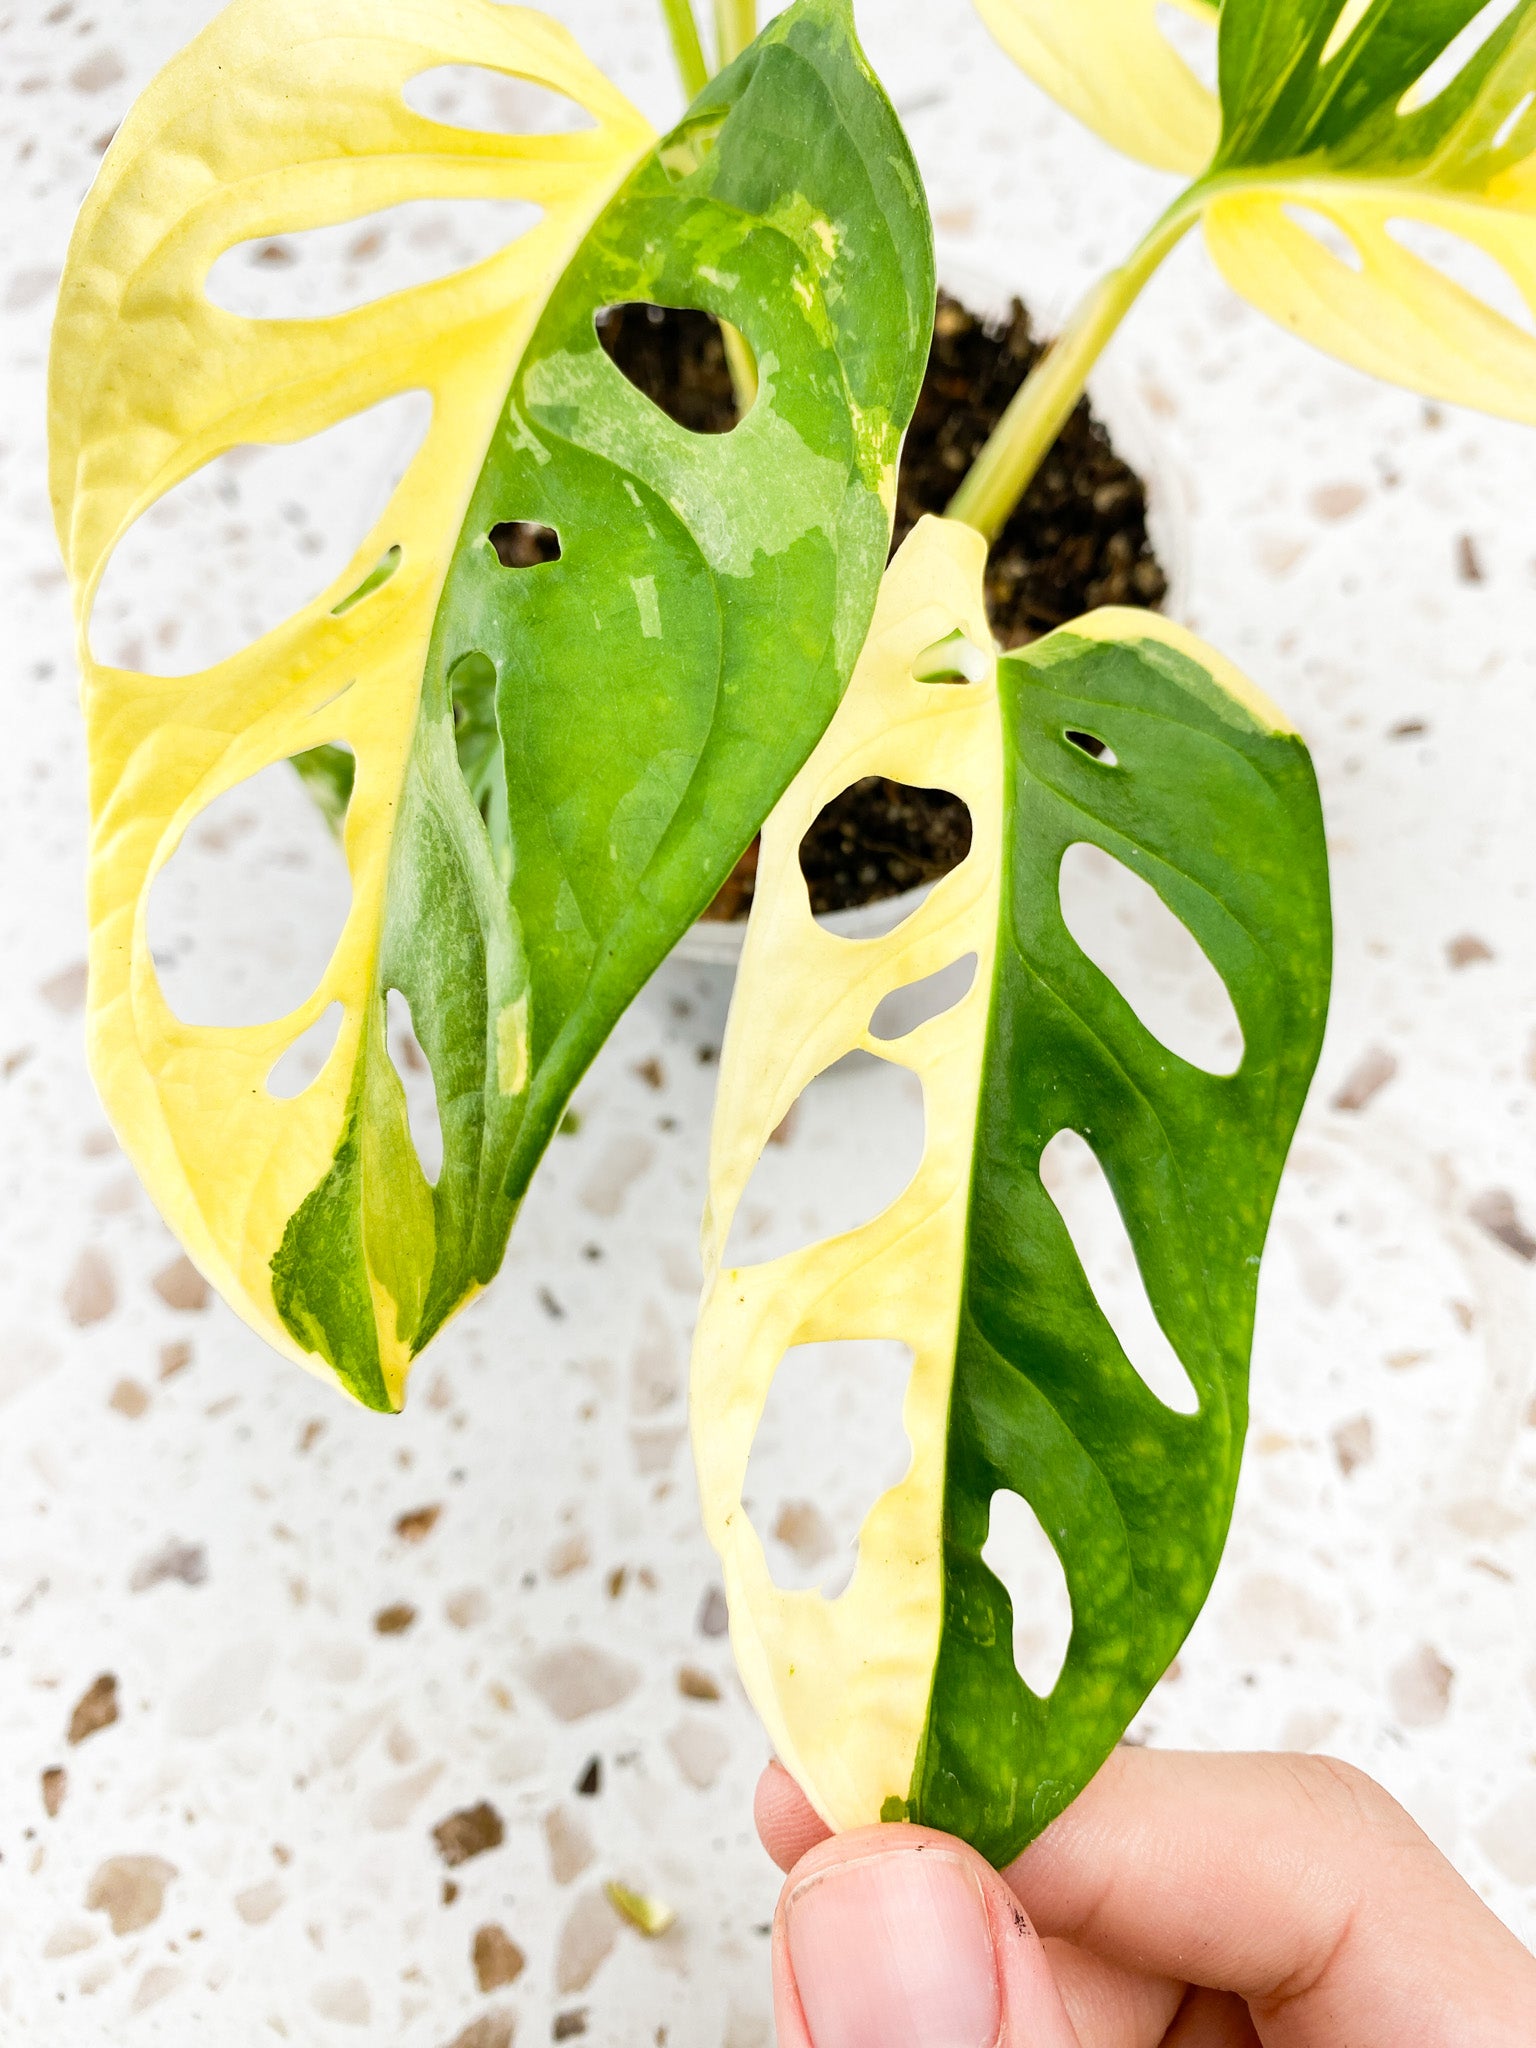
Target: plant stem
{"points": [[686, 47], [1022, 438], [735, 27]]}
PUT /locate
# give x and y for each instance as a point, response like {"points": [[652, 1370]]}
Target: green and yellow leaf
{"points": [[542, 792], [901, 1694], [1348, 128]]}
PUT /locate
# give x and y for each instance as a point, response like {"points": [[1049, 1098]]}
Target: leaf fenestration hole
{"points": [[316, 273], [954, 659], [1089, 743], [848, 1147], [1191, 34], [415, 1071], [1512, 119], [1075, 1181], [1349, 18], [524, 543], [249, 539], [829, 1443], [1467, 265], [1327, 233], [1458, 53], [376, 579], [244, 916], [301, 1063], [490, 102], [675, 357], [1151, 956], [918, 1002], [874, 843], [1023, 1559]]}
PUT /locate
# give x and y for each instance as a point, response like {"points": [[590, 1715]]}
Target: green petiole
{"points": [[1022, 438], [686, 47]]}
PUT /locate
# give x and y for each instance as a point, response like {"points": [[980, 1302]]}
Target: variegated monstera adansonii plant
{"points": [[547, 771], [1359, 170], [900, 1698]]}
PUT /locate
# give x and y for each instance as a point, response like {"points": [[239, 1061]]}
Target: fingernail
{"points": [[895, 1951]]}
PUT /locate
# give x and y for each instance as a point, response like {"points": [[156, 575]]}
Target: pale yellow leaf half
{"points": [[283, 115], [1109, 63], [816, 1668], [1389, 312]]}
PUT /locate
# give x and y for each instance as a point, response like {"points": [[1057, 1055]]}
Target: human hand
{"points": [[1187, 1901]]}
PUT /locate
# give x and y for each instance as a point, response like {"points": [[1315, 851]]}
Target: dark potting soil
{"points": [[1077, 539]]}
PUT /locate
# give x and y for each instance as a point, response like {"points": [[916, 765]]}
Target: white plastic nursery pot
{"points": [[716, 942]]}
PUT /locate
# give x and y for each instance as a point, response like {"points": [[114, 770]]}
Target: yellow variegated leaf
{"points": [[1109, 63], [286, 115], [899, 1696]]}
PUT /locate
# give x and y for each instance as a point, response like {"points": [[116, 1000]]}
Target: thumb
{"points": [[897, 1937]]}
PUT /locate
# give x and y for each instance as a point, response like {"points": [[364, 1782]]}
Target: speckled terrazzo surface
{"points": [[292, 1641]]}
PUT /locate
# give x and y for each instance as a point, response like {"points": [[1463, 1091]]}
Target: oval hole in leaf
{"points": [[1349, 18], [1327, 232], [1457, 55], [1020, 1555], [1090, 744], [1193, 35], [244, 916], [300, 1065], [954, 659], [1152, 957], [847, 1149], [1467, 265], [524, 543], [830, 1441], [249, 539], [1512, 119], [876, 841], [491, 102], [675, 357], [319, 272], [1075, 1181], [415, 1071], [918, 1002]]}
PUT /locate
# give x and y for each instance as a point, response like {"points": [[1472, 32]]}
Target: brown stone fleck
{"points": [[1337, 501], [395, 1619], [417, 1524], [130, 1890], [55, 1785], [569, 2024], [714, 1615], [1467, 950], [1354, 1443], [95, 1709], [1496, 1213], [497, 1958], [65, 991], [1469, 563], [1420, 1688], [590, 1783], [1365, 1079], [311, 1433], [185, 1561], [491, 2030], [181, 1286], [174, 1358], [694, 1684], [570, 1846], [90, 1292], [469, 1832], [129, 1399], [579, 1679], [651, 1072], [96, 72]]}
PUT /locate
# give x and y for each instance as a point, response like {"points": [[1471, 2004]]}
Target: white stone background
{"points": [[1371, 561]]}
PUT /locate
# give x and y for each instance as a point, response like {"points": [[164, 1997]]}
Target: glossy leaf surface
{"points": [[1375, 171], [515, 912], [901, 1693]]}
